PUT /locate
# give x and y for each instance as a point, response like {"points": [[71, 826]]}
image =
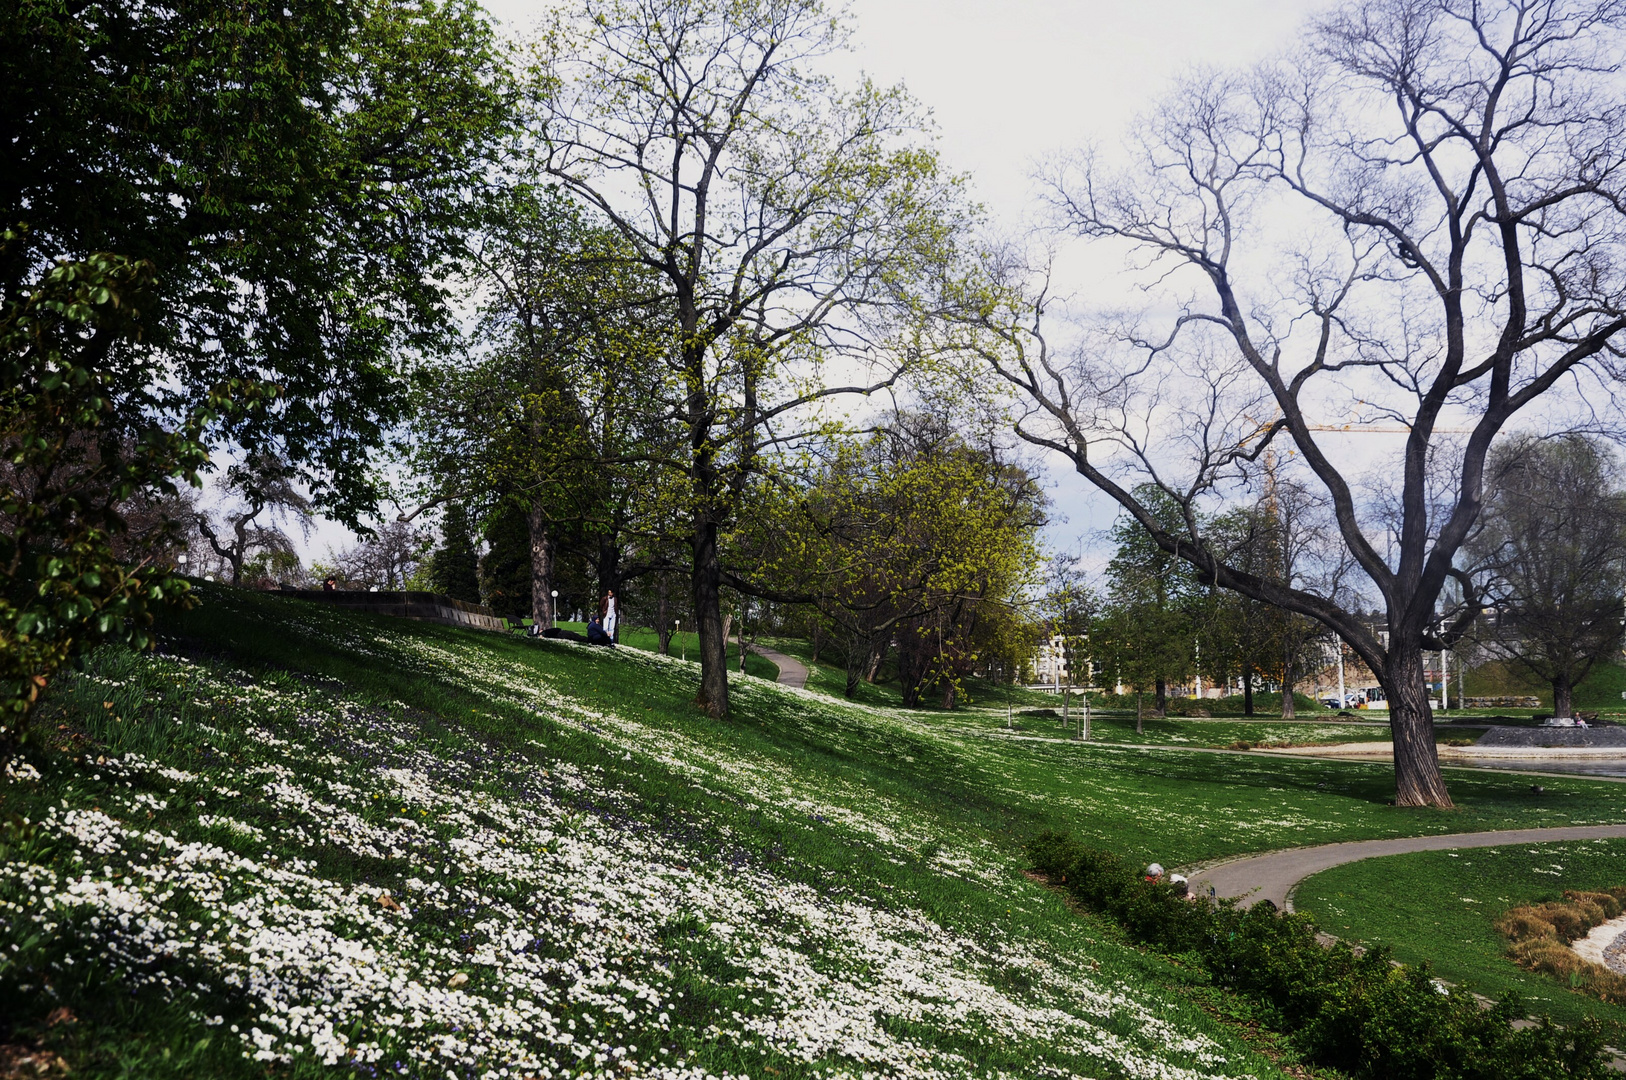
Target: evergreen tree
{"points": [[505, 572], [455, 569]]}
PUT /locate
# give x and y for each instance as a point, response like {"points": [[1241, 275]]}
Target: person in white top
{"points": [[608, 614]]}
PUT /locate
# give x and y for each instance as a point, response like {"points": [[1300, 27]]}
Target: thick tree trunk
{"points": [[541, 566], [1138, 721], [1160, 704], [708, 617], [1247, 693], [1288, 679], [1417, 765], [1562, 697]]}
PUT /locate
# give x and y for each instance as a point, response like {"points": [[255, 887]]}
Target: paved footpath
{"points": [[1272, 876], [792, 672]]}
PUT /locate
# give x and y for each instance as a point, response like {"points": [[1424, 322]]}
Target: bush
{"points": [[1359, 1014], [1541, 934]]}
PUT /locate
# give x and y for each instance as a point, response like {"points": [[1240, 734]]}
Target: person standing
{"points": [[607, 614]]}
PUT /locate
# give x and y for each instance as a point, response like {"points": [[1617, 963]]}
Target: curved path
{"points": [[792, 672], [1273, 875]]}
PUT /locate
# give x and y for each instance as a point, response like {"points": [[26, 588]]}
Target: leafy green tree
{"points": [[72, 575], [563, 412], [454, 569], [1148, 630], [790, 223], [912, 535], [297, 176]]}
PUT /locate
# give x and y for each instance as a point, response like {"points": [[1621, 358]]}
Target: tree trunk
{"points": [[1247, 693], [815, 656], [877, 653], [858, 650], [1288, 680], [707, 583], [663, 622], [1138, 728], [948, 693], [1160, 703], [742, 640], [1562, 696], [1417, 765], [541, 565]]}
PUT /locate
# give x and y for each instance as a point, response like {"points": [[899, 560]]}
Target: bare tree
{"points": [[266, 495], [1553, 545], [1423, 216], [386, 560], [786, 219]]}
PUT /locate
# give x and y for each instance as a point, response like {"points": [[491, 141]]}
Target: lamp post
{"points": [[683, 645], [553, 609]]}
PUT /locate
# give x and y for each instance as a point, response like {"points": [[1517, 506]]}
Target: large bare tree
{"points": [[1417, 221], [787, 218]]}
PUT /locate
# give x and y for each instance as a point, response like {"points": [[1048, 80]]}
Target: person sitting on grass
{"points": [[596, 634]]}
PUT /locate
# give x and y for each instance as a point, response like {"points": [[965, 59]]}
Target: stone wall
{"points": [[423, 606]]}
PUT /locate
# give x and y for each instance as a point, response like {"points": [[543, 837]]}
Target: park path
{"points": [[792, 672], [1273, 875]]}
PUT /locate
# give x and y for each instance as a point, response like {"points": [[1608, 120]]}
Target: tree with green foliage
{"points": [[454, 569], [1147, 628], [72, 576], [1283, 537], [298, 179], [791, 225], [1552, 550], [912, 537], [205, 204], [564, 410]]}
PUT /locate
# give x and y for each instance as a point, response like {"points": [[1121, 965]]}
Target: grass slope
{"points": [[1440, 907], [306, 840]]}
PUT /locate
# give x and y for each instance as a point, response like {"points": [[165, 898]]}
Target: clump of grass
{"points": [[1540, 936]]}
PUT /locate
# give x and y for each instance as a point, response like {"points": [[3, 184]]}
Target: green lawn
{"points": [[1439, 906], [687, 645], [329, 841]]}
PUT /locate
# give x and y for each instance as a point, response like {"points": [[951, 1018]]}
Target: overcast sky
{"points": [[1009, 83]]}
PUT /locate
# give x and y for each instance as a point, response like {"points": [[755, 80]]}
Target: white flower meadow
{"points": [[538, 920]]}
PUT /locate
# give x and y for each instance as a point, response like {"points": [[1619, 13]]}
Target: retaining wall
{"points": [[423, 606]]}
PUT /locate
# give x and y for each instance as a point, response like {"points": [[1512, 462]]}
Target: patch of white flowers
{"points": [[369, 898]]}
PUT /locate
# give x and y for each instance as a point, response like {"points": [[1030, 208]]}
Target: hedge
{"points": [[1358, 1013]]}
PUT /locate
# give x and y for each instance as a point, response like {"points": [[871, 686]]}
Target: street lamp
{"points": [[553, 612], [682, 643]]}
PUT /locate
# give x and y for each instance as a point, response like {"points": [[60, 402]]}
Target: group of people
{"points": [[600, 626]]}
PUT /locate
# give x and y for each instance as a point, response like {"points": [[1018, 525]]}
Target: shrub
{"points": [[1357, 1013], [1540, 936]]}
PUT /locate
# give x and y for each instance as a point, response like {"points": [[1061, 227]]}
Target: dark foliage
{"points": [[454, 570]]}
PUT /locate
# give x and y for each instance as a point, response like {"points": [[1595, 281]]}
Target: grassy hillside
{"points": [[303, 840], [1601, 690]]}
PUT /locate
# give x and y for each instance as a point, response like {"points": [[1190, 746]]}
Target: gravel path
{"points": [[792, 672], [1272, 876]]}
